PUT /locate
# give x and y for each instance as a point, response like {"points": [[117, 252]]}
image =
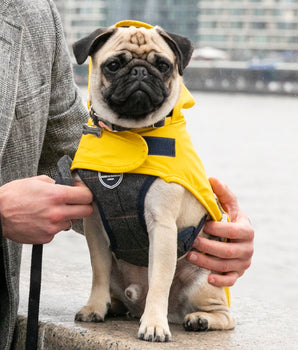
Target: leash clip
{"points": [[159, 124], [91, 130]]}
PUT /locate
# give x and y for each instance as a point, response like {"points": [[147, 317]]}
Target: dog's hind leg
{"points": [[213, 310], [101, 261]]}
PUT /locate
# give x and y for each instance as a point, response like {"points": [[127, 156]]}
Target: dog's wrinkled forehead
{"points": [[139, 42], [136, 38]]}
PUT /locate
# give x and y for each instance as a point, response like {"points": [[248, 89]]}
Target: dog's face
{"points": [[136, 73]]}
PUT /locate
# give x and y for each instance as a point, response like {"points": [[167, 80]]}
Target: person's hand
{"points": [[34, 209], [232, 258]]}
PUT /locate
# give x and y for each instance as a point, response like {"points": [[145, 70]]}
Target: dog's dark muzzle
{"points": [[136, 94]]}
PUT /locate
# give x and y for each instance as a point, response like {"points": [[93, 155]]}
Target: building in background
{"points": [[176, 16], [250, 29], [244, 29], [80, 17]]}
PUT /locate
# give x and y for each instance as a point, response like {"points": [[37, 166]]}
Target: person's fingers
{"points": [[74, 195], [79, 184], [226, 280], [78, 194], [44, 178], [58, 215], [68, 224], [219, 265], [77, 211], [233, 231], [224, 250], [226, 197], [222, 191]]}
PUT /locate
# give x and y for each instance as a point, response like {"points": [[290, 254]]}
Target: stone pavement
{"points": [[261, 324]]}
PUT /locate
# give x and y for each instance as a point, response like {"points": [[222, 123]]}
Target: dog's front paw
{"points": [[193, 322], [156, 330], [89, 313]]}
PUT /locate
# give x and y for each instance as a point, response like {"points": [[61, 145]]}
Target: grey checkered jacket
{"points": [[41, 114]]}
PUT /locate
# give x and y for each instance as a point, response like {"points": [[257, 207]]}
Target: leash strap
{"points": [[63, 177], [34, 297]]}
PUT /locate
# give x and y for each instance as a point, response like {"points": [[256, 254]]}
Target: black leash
{"points": [[63, 177], [34, 297]]}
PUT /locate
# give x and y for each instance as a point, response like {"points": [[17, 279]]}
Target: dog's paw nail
{"points": [[78, 317], [154, 333], [201, 325], [96, 318], [158, 338], [196, 324], [89, 317], [187, 325]]}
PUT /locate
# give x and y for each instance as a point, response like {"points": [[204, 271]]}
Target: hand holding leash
{"points": [[33, 210]]}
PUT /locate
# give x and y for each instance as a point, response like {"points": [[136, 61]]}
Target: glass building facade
{"points": [[176, 16], [250, 28], [245, 29], [80, 17]]}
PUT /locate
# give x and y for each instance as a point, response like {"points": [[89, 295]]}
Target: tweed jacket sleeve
{"points": [[41, 114], [41, 111], [66, 110]]}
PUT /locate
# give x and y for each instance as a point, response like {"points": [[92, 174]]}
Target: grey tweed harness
{"points": [[120, 200]]}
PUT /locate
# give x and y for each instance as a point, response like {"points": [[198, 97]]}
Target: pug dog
{"points": [[135, 84]]}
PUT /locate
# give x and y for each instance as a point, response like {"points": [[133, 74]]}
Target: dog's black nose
{"points": [[139, 72]]}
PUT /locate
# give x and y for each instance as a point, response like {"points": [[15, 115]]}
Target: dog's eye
{"points": [[113, 66], [163, 67]]}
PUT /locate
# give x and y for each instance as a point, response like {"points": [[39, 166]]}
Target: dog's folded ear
{"points": [[181, 46], [87, 46]]}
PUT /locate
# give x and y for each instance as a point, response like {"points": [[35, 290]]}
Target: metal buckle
{"points": [[91, 130]]}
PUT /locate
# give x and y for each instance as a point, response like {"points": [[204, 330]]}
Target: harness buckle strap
{"points": [[159, 124], [91, 130], [102, 123], [188, 235]]}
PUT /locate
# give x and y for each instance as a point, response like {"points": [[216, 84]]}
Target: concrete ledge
{"points": [[113, 334], [259, 326]]}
